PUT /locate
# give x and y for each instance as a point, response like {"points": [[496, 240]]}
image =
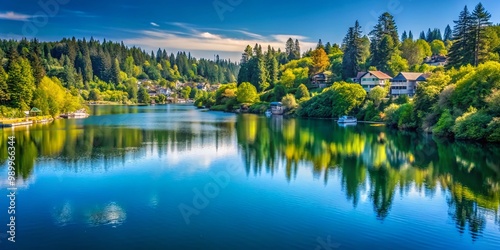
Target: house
{"points": [[357, 79], [405, 83], [320, 80], [436, 60], [164, 91], [371, 79], [152, 93]]}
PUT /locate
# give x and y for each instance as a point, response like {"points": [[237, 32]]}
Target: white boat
{"points": [[268, 113], [347, 119]]}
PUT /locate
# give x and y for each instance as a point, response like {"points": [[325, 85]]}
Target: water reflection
{"points": [[111, 214], [380, 162], [373, 163]]}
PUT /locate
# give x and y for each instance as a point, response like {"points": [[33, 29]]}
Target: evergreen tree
{"points": [[462, 50], [328, 48], [296, 50], [272, 67], [21, 83], [480, 20], [290, 49], [4, 88], [385, 27], [143, 96], [422, 36], [320, 45], [114, 76], [404, 36], [353, 52], [447, 33], [387, 50], [69, 73], [429, 36], [410, 36]]}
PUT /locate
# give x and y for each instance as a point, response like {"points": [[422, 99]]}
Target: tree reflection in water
{"points": [[368, 159], [382, 159]]}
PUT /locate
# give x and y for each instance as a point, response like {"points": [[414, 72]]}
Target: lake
{"points": [[175, 177]]}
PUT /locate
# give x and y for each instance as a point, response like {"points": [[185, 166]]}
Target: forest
{"points": [[460, 99], [60, 77]]}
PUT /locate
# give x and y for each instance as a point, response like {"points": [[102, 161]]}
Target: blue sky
{"points": [[221, 27]]}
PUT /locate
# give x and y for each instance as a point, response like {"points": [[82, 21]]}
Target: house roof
{"points": [[423, 77], [379, 74], [409, 76], [360, 74]]}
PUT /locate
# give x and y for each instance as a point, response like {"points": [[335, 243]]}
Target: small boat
{"points": [[347, 119], [277, 108], [268, 113]]}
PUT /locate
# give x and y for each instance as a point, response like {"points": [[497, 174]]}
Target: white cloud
{"points": [[194, 39], [155, 24], [11, 15]]}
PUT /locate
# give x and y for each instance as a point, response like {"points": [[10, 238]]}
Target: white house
{"points": [[405, 83], [371, 79]]}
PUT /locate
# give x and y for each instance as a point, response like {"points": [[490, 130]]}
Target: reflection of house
{"points": [[436, 60], [320, 80], [405, 83], [371, 79]]}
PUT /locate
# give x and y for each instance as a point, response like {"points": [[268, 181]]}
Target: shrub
{"points": [[472, 125], [444, 124]]}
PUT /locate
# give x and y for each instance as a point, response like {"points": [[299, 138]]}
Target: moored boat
{"points": [[347, 119]]}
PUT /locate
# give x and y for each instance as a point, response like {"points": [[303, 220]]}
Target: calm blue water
{"points": [[174, 177]]}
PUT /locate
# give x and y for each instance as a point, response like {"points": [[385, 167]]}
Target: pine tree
{"points": [[404, 36], [290, 49], [422, 36], [386, 26], [447, 33], [21, 83], [115, 73], [328, 48], [272, 67], [480, 20], [387, 50], [320, 45], [410, 36], [296, 50], [353, 52], [429, 36], [4, 88], [463, 41]]}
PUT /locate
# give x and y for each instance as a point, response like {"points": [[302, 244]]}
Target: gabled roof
{"points": [[423, 77], [360, 74], [379, 74], [409, 76]]}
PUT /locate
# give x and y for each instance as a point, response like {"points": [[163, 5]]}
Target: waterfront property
{"points": [[372, 79], [405, 83], [277, 108]]}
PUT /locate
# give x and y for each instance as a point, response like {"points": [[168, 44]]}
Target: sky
{"points": [[223, 27]]}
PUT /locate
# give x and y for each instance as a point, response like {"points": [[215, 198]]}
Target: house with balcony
{"points": [[405, 83], [372, 79]]}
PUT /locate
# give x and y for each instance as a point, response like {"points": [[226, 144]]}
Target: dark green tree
{"points": [[386, 26], [353, 52], [447, 34], [462, 50]]}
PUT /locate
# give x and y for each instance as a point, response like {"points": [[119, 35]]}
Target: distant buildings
{"points": [[436, 60], [372, 79], [405, 83]]}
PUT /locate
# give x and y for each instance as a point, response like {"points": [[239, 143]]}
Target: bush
{"points": [[494, 130], [444, 125], [289, 102], [302, 92], [472, 125]]}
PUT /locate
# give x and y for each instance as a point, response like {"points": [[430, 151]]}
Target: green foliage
{"points": [[376, 95], [21, 83], [473, 89], [302, 92], [444, 125], [289, 101], [279, 92], [472, 125], [247, 93], [143, 96]]}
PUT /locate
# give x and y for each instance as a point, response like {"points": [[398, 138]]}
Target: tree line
{"points": [[94, 70]]}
